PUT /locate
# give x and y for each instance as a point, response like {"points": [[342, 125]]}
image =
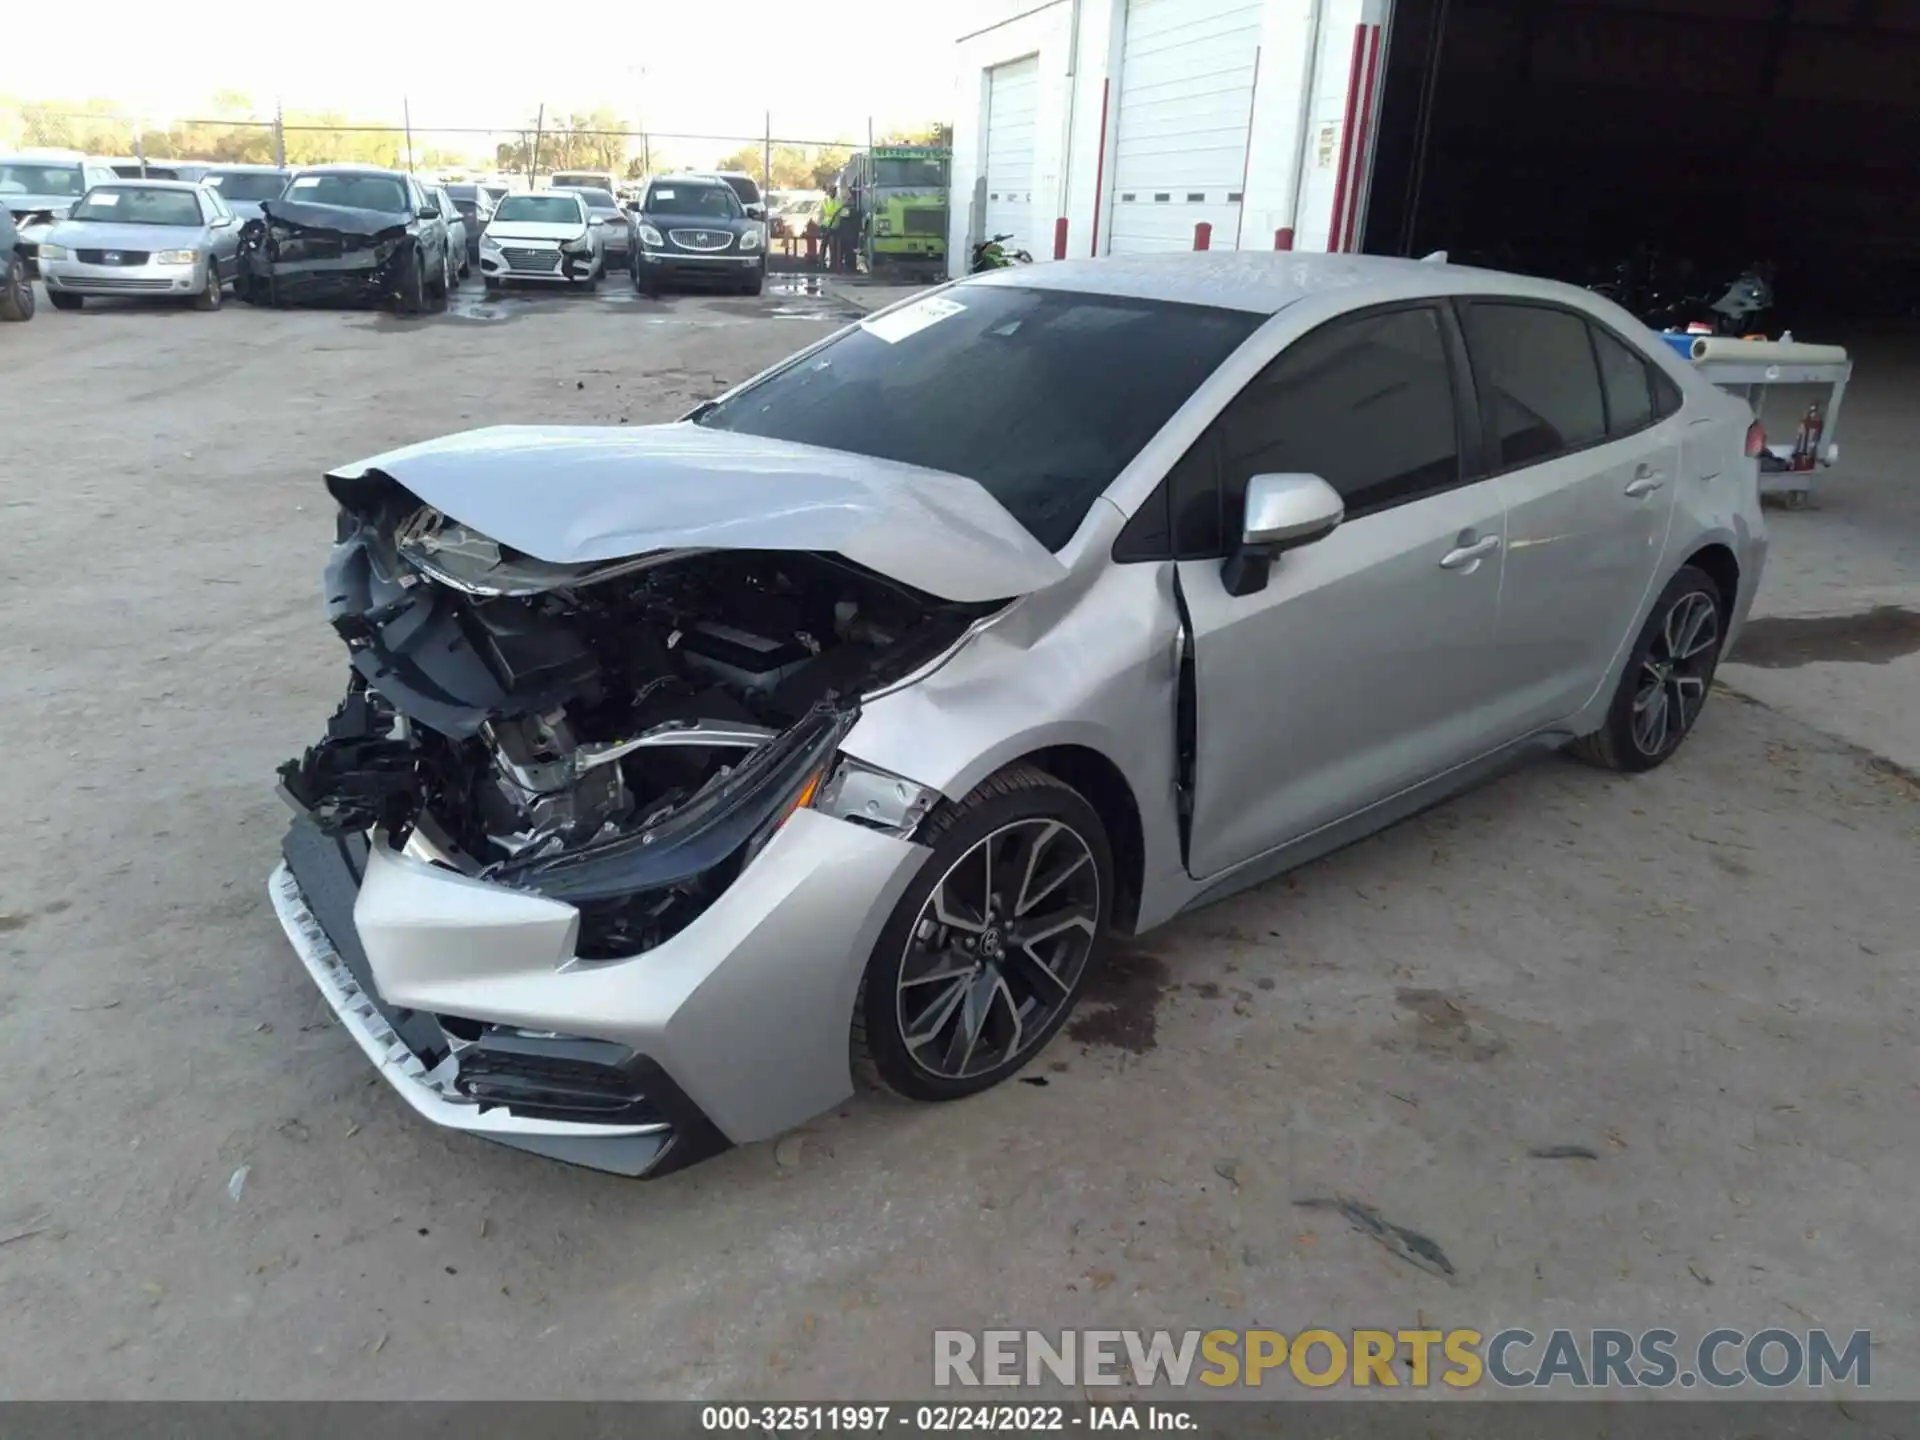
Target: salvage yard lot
{"points": [[1705, 977]]}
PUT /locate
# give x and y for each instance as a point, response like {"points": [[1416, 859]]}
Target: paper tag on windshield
{"points": [[106, 197], [897, 326]]}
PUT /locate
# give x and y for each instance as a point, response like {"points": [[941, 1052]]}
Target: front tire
{"points": [[985, 954], [1664, 686], [209, 298], [16, 294], [411, 294]]}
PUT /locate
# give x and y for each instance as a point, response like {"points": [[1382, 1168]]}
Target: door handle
{"points": [[1467, 554], [1645, 481]]}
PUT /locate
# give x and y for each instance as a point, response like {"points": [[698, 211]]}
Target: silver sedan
{"points": [[686, 771], [155, 238]]}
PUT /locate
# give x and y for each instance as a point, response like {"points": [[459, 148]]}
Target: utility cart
{"points": [[1751, 368]]}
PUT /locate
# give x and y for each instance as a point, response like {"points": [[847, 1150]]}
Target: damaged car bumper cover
{"points": [[731, 1031]]}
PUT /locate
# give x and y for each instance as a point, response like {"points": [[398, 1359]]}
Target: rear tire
{"points": [[1668, 675], [16, 293], [951, 974], [63, 301]]}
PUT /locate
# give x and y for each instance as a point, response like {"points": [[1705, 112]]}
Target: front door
{"points": [[1367, 663], [1588, 467]]}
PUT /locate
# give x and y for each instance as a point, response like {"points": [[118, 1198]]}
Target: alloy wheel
{"points": [[1674, 674], [997, 949]]}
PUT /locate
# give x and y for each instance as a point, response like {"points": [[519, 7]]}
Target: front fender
{"points": [[1089, 663]]}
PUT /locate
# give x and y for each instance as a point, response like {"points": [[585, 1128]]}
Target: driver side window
{"points": [[1366, 402]]}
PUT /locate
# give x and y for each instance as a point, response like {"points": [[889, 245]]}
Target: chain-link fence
{"points": [[526, 152]]}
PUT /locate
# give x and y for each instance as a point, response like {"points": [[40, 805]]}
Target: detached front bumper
{"points": [[76, 277], [733, 1030]]}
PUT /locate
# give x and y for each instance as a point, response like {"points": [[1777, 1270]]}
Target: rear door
{"points": [[1364, 666], [1587, 467]]}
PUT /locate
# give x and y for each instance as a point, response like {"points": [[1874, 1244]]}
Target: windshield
{"points": [[153, 172], [927, 174], [597, 199], [748, 192], [716, 201], [543, 209], [17, 179], [248, 184], [1041, 396], [354, 192], [132, 205], [578, 180]]}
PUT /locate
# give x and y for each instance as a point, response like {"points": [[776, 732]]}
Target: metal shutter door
{"points": [[1180, 141]]}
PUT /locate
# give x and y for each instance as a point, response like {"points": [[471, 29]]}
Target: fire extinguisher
{"points": [[1806, 445]]}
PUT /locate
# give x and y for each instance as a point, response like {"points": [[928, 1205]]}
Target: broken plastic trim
{"points": [[862, 794], [704, 833]]}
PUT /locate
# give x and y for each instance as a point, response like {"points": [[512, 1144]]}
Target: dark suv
{"points": [[693, 227]]}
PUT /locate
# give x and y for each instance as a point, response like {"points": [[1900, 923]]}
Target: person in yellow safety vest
{"points": [[830, 230]]}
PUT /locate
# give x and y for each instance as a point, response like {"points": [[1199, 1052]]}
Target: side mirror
{"points": [[1282, 512], [429, 212], [756, 212]]}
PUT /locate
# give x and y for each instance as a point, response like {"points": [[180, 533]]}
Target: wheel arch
{"points": [[1103, 785], [1720, 565]]}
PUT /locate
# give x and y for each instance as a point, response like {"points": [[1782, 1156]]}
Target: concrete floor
{"points": [[1705, 976]]}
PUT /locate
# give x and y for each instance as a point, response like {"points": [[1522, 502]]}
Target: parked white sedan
{"points": [[547, 236]]}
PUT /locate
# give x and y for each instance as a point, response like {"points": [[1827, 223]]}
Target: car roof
{"points": [[240, 167], [339, 168], [47, 157], [1265, 282], [134, 182]]}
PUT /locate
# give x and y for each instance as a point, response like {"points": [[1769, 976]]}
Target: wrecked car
{"points": [[684, 772], [347, 234]]}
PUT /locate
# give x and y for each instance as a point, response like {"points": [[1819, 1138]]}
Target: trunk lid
{"points": [[579, 495]]}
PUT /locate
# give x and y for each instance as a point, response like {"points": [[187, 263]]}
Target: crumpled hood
{"points": [[573, 495], [21, 202]]}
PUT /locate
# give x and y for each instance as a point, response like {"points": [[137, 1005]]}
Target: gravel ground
{"points": [[1704, 978]]}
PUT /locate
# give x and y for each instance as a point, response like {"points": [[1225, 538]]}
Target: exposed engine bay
{"points": [[620, 735]]}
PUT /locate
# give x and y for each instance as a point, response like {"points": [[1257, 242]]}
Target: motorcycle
{"points": [[1667, 294], [991, 255]]}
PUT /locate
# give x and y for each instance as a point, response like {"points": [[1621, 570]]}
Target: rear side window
{"points": [[1539, 384], [1627, 381]]}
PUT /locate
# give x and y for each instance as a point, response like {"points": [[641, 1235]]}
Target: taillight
{"points": [[1756, 440]]}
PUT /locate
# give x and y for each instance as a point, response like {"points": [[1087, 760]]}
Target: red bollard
{"points": [[1060, 238], [1283, 238], [1202, 235]]}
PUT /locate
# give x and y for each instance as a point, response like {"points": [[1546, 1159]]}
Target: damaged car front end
{"points": [[579, 860], [301, 254]]}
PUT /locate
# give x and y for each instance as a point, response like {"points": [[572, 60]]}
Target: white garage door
{"points": [[1180, 139], [1013, 94]]}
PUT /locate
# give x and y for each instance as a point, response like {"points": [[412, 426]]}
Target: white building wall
{"points": [[1299, 117], [1065, 157]]}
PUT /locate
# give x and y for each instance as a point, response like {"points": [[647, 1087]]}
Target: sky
{"points": [[695, 66]]}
